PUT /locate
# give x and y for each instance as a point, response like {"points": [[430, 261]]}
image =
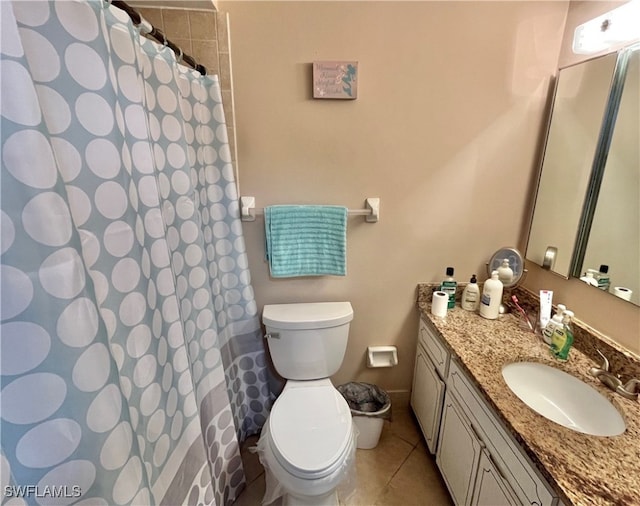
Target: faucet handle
{"points": [[596, 371], [632, 386], [630, 390]]}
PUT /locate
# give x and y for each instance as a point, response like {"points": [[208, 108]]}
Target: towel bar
{"points": [[248, 211]]}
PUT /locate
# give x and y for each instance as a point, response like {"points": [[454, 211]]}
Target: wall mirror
{"points": [[587, 209]]}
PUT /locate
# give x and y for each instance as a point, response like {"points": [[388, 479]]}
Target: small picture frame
{"points": [[335, 80]]}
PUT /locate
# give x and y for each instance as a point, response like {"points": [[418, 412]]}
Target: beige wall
{"points": [[445, 131]]}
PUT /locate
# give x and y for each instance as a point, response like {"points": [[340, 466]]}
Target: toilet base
{"points": [[330, 499], [298, 492], [286, 498]]}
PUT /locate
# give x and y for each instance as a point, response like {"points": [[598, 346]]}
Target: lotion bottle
{"points": [[491, 297], [471, 295]]}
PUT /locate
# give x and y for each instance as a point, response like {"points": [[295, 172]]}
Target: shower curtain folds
{"points": [[132, 360]]}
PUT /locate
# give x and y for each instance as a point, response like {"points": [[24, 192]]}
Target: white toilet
{"points": [[307, 445]]}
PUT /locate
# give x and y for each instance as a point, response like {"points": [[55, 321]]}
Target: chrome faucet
{"points": [[629, 390]]}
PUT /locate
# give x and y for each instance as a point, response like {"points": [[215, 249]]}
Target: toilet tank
{"points": [[307, 340]]}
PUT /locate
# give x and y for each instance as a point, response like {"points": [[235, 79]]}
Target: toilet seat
{"points": [[310, 428]]}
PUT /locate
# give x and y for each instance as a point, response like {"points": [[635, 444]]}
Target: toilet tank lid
{"points": [[311, 315]]}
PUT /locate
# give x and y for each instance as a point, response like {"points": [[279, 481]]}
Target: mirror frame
{"points": [[601, 153], [600, 159]]}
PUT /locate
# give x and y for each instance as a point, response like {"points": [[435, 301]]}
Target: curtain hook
{"points": [[158, 34], [145, 27], [179, 56]]}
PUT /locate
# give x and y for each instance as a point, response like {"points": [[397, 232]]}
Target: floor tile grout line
{"points": [[388, 483], [402, 464], [408, 441], [397, 470], [255, 478]]}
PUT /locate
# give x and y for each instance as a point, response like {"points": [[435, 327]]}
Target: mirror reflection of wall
{"points": [[614, 239], [579, 103]]}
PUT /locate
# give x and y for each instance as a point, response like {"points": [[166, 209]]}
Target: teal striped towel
{"points": [[306, 240]]}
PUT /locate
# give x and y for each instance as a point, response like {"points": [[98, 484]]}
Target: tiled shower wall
{"points": [[205, 36]]}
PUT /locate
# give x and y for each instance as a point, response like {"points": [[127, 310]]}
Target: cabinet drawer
{"points": [[435, 349], [511, 462]]}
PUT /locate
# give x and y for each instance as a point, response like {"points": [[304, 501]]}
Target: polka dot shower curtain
{"points": [[131, 355]]}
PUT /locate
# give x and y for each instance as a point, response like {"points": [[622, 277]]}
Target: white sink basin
{"points": [[563, 399]]}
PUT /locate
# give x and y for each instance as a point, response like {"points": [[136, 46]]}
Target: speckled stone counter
{"points": [[583, 469]]}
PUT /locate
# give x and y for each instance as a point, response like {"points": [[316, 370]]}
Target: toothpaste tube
{"points": [[546, 297]]}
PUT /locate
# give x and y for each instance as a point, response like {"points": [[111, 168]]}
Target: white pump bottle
{"points": [[491, 297]]}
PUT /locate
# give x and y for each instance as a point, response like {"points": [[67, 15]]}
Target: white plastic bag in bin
{"points": [[365, 399]]}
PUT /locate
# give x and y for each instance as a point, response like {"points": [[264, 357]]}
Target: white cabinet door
{"points": [[517, 469], [491, 489], [426, 398], [458, 452]]}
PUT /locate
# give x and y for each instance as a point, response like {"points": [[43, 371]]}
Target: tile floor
{"points": [[398, 472]]}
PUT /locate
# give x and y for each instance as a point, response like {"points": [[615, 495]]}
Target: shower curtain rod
{"points": [[150, 30]]}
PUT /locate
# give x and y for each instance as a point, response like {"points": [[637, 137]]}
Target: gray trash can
{"points": [[370, 406]]}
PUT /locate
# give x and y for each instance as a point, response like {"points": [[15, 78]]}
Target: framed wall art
{"points": [[335, 79]]}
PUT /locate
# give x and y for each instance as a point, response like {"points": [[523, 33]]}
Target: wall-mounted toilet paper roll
{"points": [[622, 292], [439, 303]]}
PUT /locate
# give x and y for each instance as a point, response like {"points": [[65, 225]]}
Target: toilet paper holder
{"points": [[382, 356]]}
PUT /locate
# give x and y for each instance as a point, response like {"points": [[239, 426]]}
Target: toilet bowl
{"points": [[308, 442]]}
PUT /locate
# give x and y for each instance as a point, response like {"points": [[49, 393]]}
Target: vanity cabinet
{"points": [[499, 472], [465, 463], [427, 394], [480, 461]]}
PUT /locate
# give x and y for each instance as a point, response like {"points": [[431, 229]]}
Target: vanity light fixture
{"points": [[610, 29]]}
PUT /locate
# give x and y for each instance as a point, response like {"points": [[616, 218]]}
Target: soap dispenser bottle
{"points": [[562, 338], [471, 295], [491, 297]]}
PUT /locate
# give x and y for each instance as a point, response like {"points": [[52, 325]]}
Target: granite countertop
{"points": [[583, 469]]}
